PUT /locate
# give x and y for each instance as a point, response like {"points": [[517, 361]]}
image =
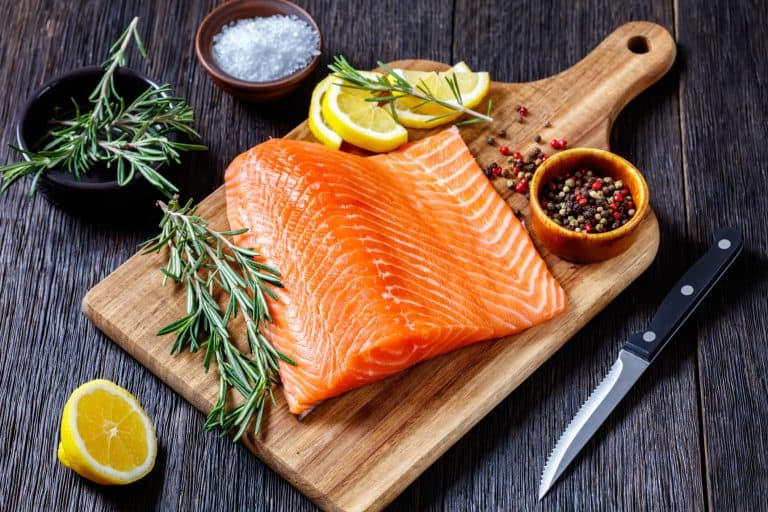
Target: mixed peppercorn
{"points": [[559, 143], [520, 170], [584, 201], [581, 201]]}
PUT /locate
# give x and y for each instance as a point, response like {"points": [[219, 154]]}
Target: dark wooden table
{"points": [[691, 435]]}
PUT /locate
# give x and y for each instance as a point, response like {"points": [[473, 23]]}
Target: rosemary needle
{"points": [[132, 138], [206, 261]]}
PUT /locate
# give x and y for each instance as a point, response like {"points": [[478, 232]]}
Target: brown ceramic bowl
{"points": [[245, 9], [588, 247]]}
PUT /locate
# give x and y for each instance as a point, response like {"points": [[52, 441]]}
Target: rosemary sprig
{"points": [[132, 138], [105, 91], [205, 261], [393, 86]]}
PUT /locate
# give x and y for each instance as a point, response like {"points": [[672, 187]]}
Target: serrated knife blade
{"points": [[606, 396], [639, 352]]}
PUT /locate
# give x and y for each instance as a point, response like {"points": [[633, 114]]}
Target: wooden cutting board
{"points": [[359, 451]]}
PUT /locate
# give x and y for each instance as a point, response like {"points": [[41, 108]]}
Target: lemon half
{"points": [[106, 436]]}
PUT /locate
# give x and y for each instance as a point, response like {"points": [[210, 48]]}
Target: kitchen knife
{"points": [[640, 351]]}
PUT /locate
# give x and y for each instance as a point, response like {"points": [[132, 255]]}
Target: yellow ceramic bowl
{"points": [[587, 247]]}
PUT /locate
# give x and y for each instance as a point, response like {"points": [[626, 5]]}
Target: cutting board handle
{"points": [[624, 64]]}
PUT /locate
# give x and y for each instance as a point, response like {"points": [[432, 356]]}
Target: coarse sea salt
{"points": [[265, 49]]}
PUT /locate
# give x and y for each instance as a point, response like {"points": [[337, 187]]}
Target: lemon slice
{"points": [[415, 120], [317, 124], [414, 113], [360, 122], [461, 67], [473, 88], [106, 436]]}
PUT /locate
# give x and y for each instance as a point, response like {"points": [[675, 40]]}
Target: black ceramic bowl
{"points": [[97, 192]]}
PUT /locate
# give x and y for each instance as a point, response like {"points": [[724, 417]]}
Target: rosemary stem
{"points": [[447, 104], [107, 78], [413, 91], [391, 83], [209, 264]]}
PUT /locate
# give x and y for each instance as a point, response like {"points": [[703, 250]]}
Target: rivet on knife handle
{"points": [[686, 295], [639, 351]]}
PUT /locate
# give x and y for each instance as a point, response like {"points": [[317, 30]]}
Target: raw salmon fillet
{"points": [[386, 260]]}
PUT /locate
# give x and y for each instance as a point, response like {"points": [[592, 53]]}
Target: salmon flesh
{"points": [[386, 260]]}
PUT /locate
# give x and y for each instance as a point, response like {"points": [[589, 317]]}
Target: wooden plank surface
{"points": [[705, 118], [397, 439], [724, 122]]}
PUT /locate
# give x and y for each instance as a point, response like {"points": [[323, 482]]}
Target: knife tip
{"points": [[543, 490]]}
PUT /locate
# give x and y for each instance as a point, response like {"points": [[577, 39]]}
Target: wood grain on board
{"points": [[359, 451]]}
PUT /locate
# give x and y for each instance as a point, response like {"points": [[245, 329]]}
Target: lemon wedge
{"points": [[317, 124], [414, 113], [362, 123], [106, 436]]}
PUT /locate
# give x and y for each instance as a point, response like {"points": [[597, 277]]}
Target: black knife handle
{"points": [[687, 294]]}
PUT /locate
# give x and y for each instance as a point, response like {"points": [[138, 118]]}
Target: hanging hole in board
{"points": [[638, 44]]}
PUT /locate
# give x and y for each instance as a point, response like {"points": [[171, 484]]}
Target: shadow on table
{"points": [[196, 177], [141, 495], [286, 113]]}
